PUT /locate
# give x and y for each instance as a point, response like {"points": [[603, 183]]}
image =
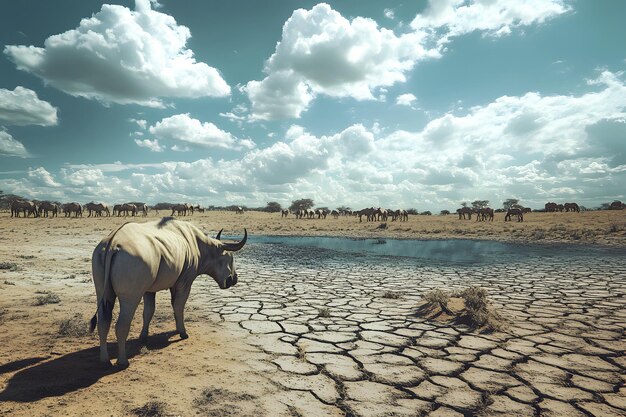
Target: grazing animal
{"points": [[484, 214], [97, 209], [514, 212], [141, 208], [550, 207], [45, 207], [128, 208], [464, 211], [527, 210], [335, 214], [239, 210], [28, 207], [179, 209], [73, 207], [139, 259], [284, 213], [571, 207]]}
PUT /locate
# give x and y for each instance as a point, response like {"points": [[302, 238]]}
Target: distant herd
{"points": [[51, 209]]}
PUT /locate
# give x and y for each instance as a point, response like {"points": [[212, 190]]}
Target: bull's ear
{"points": [[219, 234]]}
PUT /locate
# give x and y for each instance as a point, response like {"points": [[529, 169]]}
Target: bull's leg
{"points": [[122, 327], [148, 312], [104, 324], [179, 298]]}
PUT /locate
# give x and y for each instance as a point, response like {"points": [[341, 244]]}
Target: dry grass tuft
{"points": [[47, 298], [477, 309], [150, 409], [438, 298], [75, 326], [324, 312], [393, 295], [475, 312], [11, 266]]}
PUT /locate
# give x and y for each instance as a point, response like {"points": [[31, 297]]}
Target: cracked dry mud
{"points": [[326, 328]]}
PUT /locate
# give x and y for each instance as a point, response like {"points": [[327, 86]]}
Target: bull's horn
{"points": [[219, 234], [234, 247]]}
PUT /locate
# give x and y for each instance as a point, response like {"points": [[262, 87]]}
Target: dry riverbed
{"points": [[316, 332]]}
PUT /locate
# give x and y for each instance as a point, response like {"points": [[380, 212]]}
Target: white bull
{"points": [[139, 259]]}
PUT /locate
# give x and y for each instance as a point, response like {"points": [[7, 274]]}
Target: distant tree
{"points": [[412, 211], [302, 204], [273, 207], [511, 203], [464, 204], [605, 206], [444, 212], [478, 204], [426, 213]]}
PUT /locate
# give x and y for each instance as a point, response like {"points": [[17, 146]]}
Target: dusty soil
{"points": [[318, 334]]}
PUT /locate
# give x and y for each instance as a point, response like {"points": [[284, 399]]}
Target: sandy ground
{"points": [[308, 335]]}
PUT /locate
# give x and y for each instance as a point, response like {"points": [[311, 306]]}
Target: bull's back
{"points": [[147, 258]]}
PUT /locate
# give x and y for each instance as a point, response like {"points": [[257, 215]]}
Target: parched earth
{"points": [[313, 332], [346, 331]]}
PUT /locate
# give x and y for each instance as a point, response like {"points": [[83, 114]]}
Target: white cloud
{"points": [[22, 107], [143, 124], [406, 99], [533, 147], [153, 145], [449, 18], [10, 146], [184, 128], [40, 176], [321, 52], [82, 177], [390, 14], [122, 56]]}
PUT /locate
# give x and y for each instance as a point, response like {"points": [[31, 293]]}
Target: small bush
{"points": [[382, 226], [393, 295], [47, 298], [438, 297], [150, 409], [324, 312], [12, 266], [7, 282], [476, 306], [73, 327]]}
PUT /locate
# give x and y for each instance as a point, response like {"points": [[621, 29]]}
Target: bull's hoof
{"points": [[184, 336], [122, 364]]}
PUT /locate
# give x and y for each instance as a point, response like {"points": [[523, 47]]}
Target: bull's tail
{"points": [[106, 303]]}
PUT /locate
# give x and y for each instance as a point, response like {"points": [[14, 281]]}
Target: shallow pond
{"points": [[451, 250]]}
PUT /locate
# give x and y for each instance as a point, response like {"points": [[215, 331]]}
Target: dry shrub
{"points": [[221, 398], [324, 312], [477, 309], [393, 295], [150, 409], [476, 312], [47, 298], [75, 326], [11, 266], [438, 297]]}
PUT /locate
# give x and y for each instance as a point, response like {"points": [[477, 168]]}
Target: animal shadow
{"points": [[69, 372]]}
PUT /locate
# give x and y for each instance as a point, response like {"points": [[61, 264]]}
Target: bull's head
{"points": [[224, 266]]}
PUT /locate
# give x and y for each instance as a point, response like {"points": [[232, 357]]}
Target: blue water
{"points": [[451, 250]]}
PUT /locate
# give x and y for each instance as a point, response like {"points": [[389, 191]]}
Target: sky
{"points": [[398, 104]]}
